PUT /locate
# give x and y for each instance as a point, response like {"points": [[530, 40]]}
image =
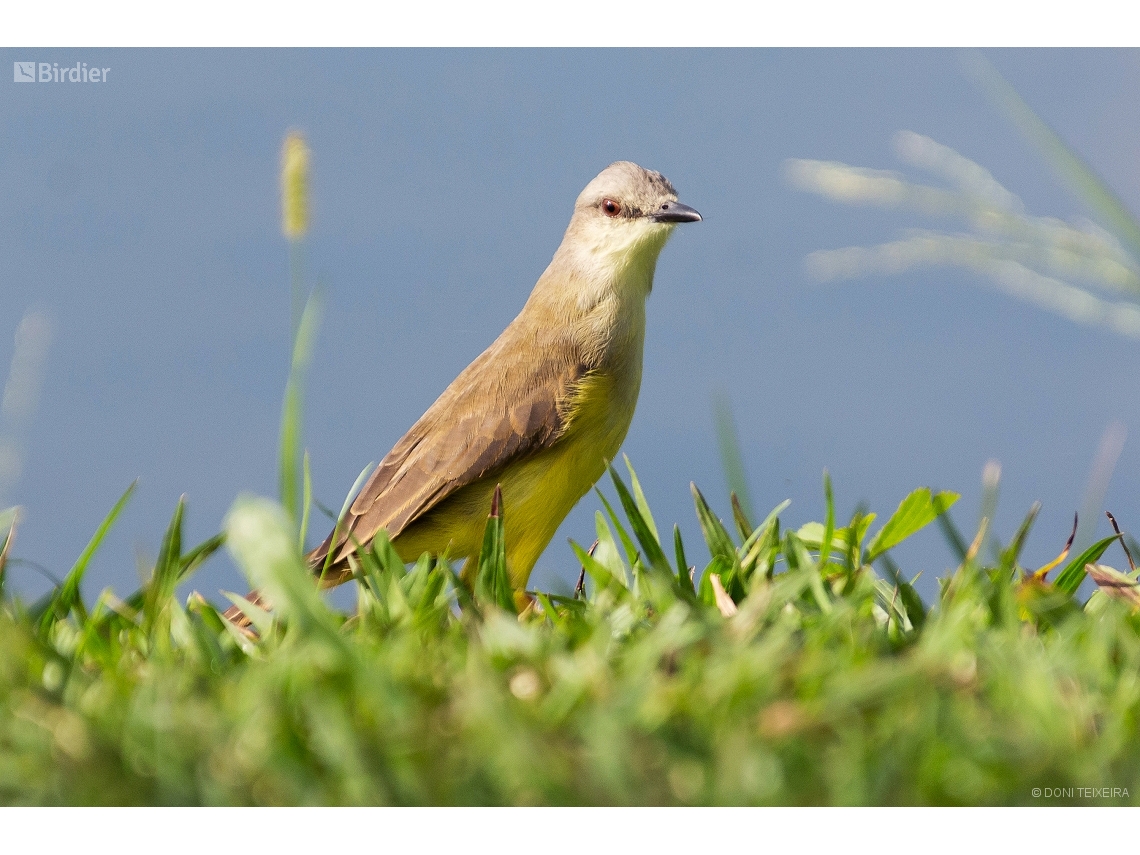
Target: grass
{"points": [[789, 671]]}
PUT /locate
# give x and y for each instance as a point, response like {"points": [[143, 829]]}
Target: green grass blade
{"points": [[800, 560], [1069, 579], [856, 531], [719, 566], [290, 443], [627, 543], [731, 457], [911, 601], [606, 552], [716, 535], [199, 605], [385, 555], [758, 532], [67, 596], [463, 593], [720, 545], [915, 512], [740, 517], [829, 525], [188, 563], [597, 571], [1072, 168], [953, 536], [639, 498], [196, 556], [646, 535], [167, 567], [205, 631], [759, 561], [289, 455], [170, 553], [306, 500], [345, 505], [1010, 555], [550, 611], [492, 582], [683, 578], [8, 519], [259, 618]]}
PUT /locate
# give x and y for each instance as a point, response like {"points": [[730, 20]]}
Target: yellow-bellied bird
{"points": [[542, 410]]}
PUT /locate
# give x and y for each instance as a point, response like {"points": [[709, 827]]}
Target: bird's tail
{"points": [[315, 561], [239, 618]]}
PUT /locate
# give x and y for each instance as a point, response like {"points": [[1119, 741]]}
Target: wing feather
{"points": [[484, 421]]}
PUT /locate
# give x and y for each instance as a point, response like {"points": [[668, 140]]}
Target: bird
{"points": [[539, 415]]}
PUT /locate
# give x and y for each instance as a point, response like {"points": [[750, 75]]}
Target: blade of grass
{"points": [[856, 530], [601, 575], [740, 517], [67, 596], [345, 505], [758, 532], [1072, 168], [639, 497], [829, 524], [646, 535], [605, 550], [168, 565], [991, 492], [953, 536], [492, 583], [631, 551], [1041, 572], [7, 521], [731, 458], [911, 601], [914, 513], [684, 580], [194, 558], [289, 453], [550, 611], [306, 500], [800, 560], [1010, 555], [1123, 543], [1069, 579], [720, 544]]}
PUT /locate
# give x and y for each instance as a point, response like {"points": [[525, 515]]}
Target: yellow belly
{"points": [[538, 491]]}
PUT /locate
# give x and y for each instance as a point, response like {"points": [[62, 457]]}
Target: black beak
{"points": [[675, 212]]}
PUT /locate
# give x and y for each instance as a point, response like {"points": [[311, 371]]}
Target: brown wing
{"points": [[485, 419]]}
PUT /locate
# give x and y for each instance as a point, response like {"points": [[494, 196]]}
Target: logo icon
{"points": [[24, 72]]}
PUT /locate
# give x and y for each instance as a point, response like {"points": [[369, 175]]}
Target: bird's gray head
{"points": [[624, 191], [623, 218]]}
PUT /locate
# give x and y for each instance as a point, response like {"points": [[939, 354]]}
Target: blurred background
{"points": [[146, 293]]}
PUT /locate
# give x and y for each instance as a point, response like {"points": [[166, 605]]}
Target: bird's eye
{"points": [[611, 208]]}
